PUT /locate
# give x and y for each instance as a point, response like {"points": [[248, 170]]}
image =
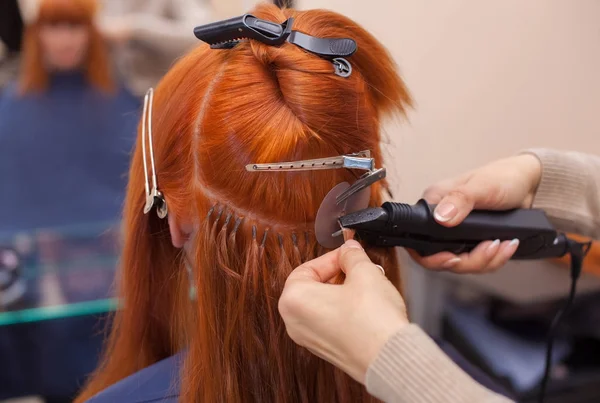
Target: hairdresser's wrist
{"points": [[367, 354]]}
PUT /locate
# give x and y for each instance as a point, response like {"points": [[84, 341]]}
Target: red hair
{"points": [[34, 76], [215, 112]]}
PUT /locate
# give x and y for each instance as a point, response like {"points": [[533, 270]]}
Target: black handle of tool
{"points": [[414, 227]]}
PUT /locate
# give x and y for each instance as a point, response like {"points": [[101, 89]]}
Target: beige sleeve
{"points": [[411, 368], [569, 190]]}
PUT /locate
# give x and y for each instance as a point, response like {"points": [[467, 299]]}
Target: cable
{"points": [[551, 336], [577, 251]]}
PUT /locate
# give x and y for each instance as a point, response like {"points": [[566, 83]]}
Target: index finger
{"points": [[321, 269], [435, 193]]}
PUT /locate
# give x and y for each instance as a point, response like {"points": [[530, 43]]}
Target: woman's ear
{"points": [[178, 236]]}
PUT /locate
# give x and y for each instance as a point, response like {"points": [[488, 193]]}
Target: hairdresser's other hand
{"points": [[346, 324], [117, 31], [501, 185]]}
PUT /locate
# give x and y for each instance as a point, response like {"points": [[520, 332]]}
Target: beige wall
{"points": [[488, 77]]}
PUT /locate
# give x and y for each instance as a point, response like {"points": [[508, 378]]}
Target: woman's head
{"points": [[63, 38], [215, 112]]}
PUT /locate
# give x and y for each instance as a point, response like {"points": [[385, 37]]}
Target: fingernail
{"points": [[444, 212], [493, 247], [451, 263], [512, 247], [352, 244]]}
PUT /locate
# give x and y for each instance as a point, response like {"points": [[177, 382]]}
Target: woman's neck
{"points": [[67, 78]]}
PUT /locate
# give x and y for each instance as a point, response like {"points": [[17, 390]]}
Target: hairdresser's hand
{"points": [[501, 185], [117, 31], [345, 324]]}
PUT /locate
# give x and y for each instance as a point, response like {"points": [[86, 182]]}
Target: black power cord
{"points": [[577, 252]]}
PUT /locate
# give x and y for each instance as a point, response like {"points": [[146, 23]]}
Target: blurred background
{"points": [[488, 79]]}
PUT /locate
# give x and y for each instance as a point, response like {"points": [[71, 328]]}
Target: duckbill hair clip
{"points": [[228, 33], [343, 198], [153, 197]]}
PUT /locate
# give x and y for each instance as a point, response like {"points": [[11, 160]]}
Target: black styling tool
{"points": [[414, 227], [228, 33]]}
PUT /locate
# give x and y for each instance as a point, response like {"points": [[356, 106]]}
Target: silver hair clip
{"points": [[361, 160], [153, 197]]}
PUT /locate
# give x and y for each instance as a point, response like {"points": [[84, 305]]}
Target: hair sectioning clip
{"points": [[153, 196], [228, 33]]}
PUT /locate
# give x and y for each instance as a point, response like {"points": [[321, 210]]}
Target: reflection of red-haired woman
{"points": [[66, 126], [63, 38], [241, 233]]}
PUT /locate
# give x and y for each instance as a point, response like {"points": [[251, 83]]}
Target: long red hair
{"points": [[34, 75], [215, 112]]}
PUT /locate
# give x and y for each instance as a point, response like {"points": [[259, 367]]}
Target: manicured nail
{"points": [[445, 212], [512, 247], [352, 244], [493, 247], [451, 263]]}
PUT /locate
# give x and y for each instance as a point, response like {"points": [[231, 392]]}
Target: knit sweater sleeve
{"points": [[411, 368], [569, 190]]}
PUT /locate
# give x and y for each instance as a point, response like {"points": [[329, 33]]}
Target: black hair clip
{"points": [[228, 33]]}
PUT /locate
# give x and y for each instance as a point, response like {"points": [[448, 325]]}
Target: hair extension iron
{"points": [[414, 227]]}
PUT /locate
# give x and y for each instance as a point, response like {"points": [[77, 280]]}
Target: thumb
{"points": [[354, 262], [456, 205]]}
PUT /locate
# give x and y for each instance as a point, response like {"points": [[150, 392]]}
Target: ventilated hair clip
{"points": [[153, 196], [228, 33], [361, 160]]}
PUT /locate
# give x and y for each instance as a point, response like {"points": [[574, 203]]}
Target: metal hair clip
{"points": [[361, 160], [228, 33], [153, 197]]}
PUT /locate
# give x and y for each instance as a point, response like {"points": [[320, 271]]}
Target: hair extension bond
{"points": [[215, 112]]}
